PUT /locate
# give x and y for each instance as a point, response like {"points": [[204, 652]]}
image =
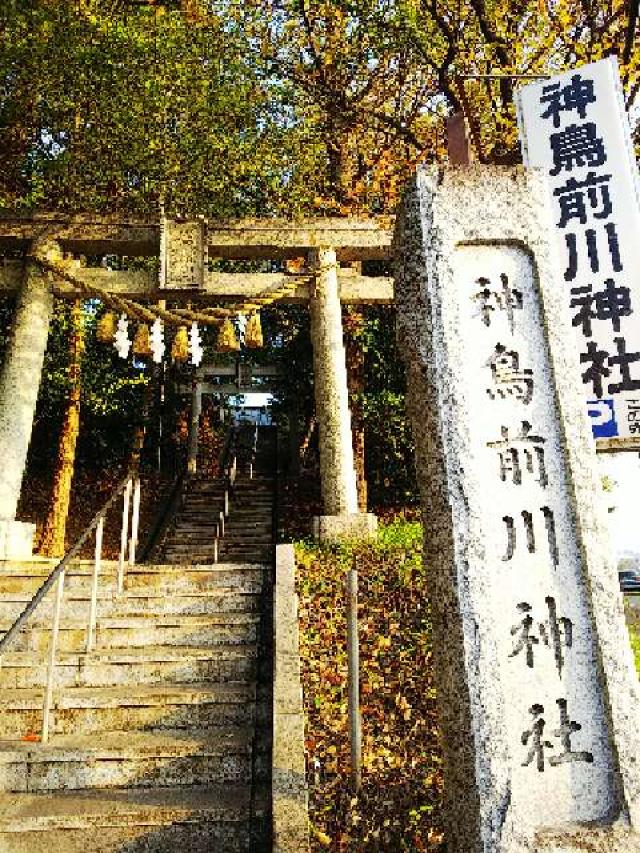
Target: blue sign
{"points": [[603, 418]]}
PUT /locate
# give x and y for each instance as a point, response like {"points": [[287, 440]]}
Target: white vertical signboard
{"points": [[574, 126]]}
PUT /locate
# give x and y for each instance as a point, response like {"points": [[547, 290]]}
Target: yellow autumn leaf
{"points": [[321, 836]]}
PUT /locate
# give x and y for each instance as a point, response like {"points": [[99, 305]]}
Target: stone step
{"points": [[240, 557], [203, 508], [123, 807], [249, 529], [136, 665], [171, 569], [187, 546], [85, 569], [212, 513], [195, 534], [198, 820], [183, 547], [258, 542], [248, 546], [178, 630], [249, 532], [253, 525], [74, 584], [189, 529], [209, 518], [252, 494], [248, 502], [128, 759], [30, 578], [203, 505], [187, 577], [83, 710], [252, 489], [186, 550], [42, 567], [247, 543], [134, 603]]}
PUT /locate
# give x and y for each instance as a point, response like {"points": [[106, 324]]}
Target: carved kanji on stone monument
{"points": [[535, 677]]}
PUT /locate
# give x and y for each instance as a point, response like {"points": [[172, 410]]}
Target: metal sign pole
{"points": [[353, 652]]}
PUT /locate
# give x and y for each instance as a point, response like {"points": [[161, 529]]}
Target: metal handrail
{"points": [[130, 489], [229, 468], [254, 448], [229, 446], [165, 517]]}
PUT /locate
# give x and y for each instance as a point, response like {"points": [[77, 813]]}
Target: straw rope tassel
{"points": [[142, 341], [253, 337], [227, 339], [106, 329], [180, 346]]}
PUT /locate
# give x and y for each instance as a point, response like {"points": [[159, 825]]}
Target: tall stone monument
{"points": [[539, 700]]}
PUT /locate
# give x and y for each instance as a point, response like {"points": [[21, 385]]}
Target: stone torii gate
{"points": [[184, 249], [239, 381]]}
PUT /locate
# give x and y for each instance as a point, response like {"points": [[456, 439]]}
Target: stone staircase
{"points": [[158, 735], [161, 735], [248, 535]]}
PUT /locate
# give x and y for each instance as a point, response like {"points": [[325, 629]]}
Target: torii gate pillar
{"points": [[337, 472], [19, 385]]}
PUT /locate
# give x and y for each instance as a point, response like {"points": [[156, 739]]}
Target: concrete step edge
{"points": [[164, 620], [138, 696], [84, 809], [218, 741]]}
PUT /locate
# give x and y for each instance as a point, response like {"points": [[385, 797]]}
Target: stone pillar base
{"points": [[16, 540], [333, 528]]}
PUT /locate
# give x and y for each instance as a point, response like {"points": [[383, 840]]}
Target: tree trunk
{"points": [[140, 432], [353, 326], [53, 536]]}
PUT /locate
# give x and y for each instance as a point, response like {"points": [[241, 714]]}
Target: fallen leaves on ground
{"points": [[398, 807], [91, 489]]}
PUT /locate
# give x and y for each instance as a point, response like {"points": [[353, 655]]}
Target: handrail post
{"points": [[222, 525], [135, 521], [51, 666], [93, 608], [215, 550], [226, 502], [124, 533]]}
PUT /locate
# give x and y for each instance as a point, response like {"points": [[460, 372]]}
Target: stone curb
{"points": [[289, 787]]}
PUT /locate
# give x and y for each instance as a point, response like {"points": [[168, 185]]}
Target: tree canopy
{"points": [[223, 108], [270, 106]]}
